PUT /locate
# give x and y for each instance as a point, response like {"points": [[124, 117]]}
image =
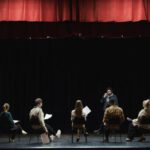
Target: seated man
{"points": [[36, 118], [115, 114], [78, 118], [136, 126], [7, 124]]}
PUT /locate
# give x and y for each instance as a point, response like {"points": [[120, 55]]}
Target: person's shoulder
{"points": [[119, 108], [73, 111], [7, 113], [107, 109]]}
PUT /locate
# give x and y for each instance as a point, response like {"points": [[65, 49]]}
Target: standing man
{"points": [[107, 97], [105, 100]]}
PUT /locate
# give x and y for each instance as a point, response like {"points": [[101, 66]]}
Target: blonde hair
{"points": [[5, 107], [146, 103], [78, 108]]}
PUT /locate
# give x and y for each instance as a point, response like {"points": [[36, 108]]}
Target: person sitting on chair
{"points": [[136, 126], [7, 124], [36, 117], [78, 118], [113, 117]]}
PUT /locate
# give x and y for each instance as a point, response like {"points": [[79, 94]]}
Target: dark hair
{"points": [[109, 88], [112, 102], [78, 108], [38, 101]]}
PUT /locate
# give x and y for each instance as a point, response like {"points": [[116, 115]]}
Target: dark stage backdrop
{"points": [[63, 70], [75, 10]]}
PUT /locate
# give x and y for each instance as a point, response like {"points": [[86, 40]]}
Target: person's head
{"points": [[111, 102], [38, 102], [78, 108], [109, 91], [5, 107], [146, 104]]}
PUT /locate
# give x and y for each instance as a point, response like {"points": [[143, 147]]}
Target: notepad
{"points": [[45, 138], [16, 121], [48, 116], [86, 110]]}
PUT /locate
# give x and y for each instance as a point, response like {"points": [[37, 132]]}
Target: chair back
{"points": [[79, 120], [34, 120], [144, 120], [114, 120]]}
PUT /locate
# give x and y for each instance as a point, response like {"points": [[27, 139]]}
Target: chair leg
{"points": [[38, 138], [19, 137], [120, 137], [86, 138], [72, 136], [30, 136], [115, 135], [9, 137]]}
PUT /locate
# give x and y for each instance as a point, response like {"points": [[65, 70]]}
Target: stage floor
{"points": [[94, 142]]}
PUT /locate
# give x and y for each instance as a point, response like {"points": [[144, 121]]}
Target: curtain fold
{"points": [[75, 10]]}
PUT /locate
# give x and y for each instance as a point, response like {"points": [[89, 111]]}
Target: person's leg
{"points": [[50, 129], [140, 134], [131, 132], [52, 132], [15, 130]]}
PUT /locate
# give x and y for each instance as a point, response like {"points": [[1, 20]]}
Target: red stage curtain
{"points": [[75, 10]]}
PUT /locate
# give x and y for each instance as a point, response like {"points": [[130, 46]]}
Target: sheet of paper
{"points": [[45, 138], [16, 121], [48, 116], [86, 110]]}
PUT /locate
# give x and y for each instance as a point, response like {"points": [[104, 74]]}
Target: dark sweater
{"points": [[6, 121]]}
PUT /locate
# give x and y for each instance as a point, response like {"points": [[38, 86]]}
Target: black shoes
{"points": [[78, 139], [142, 139], [106, 141]]}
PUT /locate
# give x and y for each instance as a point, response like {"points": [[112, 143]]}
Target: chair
{"points": [[144, 123], [37, 132], [79, 123], [8, 134], [144, 120], [113, 125]]}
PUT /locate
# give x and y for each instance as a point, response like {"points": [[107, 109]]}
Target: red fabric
{"points": [[75, 10]]}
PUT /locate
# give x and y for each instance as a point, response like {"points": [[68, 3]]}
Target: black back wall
{"points": [[63, 70]]}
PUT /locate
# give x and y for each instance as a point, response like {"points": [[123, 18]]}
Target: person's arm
{"points": [[103, 99], [140, 115], [116, 100], [122, 116], [72, 116], [41, 120], [105, 118]]}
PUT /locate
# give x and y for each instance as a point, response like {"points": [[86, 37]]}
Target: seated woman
{"points": [[136, 126], [7, 124], [78, 118]]}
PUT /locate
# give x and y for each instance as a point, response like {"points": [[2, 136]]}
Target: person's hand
{"points": [[105, 95]]}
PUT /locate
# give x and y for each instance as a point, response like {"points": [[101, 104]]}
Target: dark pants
{"points": [[50, 129], [41, 130], [15, 130], [134, 131]]}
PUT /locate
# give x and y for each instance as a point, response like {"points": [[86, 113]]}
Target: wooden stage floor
{"points": [[94, 142]]}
